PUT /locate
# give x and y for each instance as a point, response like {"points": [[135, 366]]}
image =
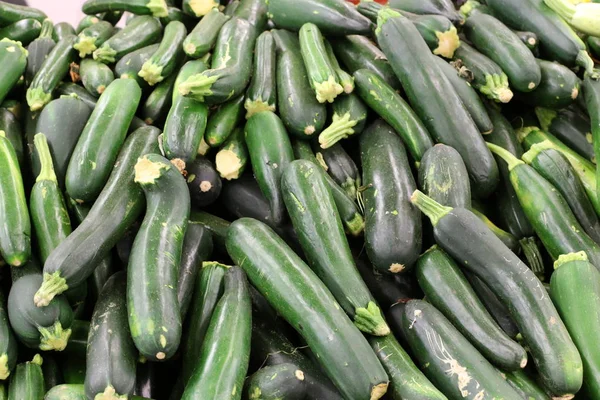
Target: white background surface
{"points": [[60, 10]]}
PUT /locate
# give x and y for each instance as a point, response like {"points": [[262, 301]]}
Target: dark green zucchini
{"points": [[8, 342], [24, 31], [349, 118], [392, 225], [92, 37], [198, 8], [28, 380], [153, 265], [156, 8], [86, 22], [203, 182], [130, 65], [558, 88], [591, 94], [526, 386], [163, 62], [9, 123], [95, 76], [117, 207], [255, 12], [62, 30], [216, 225], [111, 354], [158, 103], [223, 121], [438, 32], [73, 358], [340, 166], [570, 126], [435, 7], [345, 79], [593, 44], [276, 382], [39, 49], [204, 35], [242, 197], [262, 92], [52, 373], [232, 158], [507, 238], [304, 301], [10, 13]]}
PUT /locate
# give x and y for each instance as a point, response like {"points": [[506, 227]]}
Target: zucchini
{"points": [[344, 78], [447, 289], [48, 209], [198, 8], [262, 92], [526, 386], [156, 8], [484, 74], [62, 30], [24, 31], [203, 37], [304, 301], [232, 158], [51, 72], [8, 342], [231, 7], [203, 182], [558, 88], [556, 169], [163, 62], [92, 37], [435, 7], [95, 76], [593, 44], [225, 353], [117, 207], [270, 153], [153, 266], [333, 17], [39, 49], [176, 14], [223, 121], [14, 133], [495, 40], [434, 99], [15, 230], [331, 260], [73, 360], [321, 73], [66, 392], [282, 381], [216, 225], [130, 65], [242, 198], [111, 355], [582, 17], [507, 238], [349, 118], [575, 290], [51, 371], [340, 166], [10, 13], [159, 102], [28, 380], [570, 126], [255, 12], [140, 32], [591, 94], [438, 32], [466, 238], [231, 66], [390, 219], [86, 22], [452, 363]]}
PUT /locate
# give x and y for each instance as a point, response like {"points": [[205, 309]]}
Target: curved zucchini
{"points": [[282, 381], [262, 92], [89, 39], [28, 380], [468, 240], [225, 353], [24, 31], [163, 62], [232, 158], [435, 7], [95, 76], [570, 126], [38, 50], [117, 207], [129, 66], [156, 8], [341, 167], [349, 118], [392, 225], [203, 37], [304, 301], [198, 8], [223, 121], [10, 13], [111, 355], [8, 342], [203, 182], [558, 88], [153, 265]]}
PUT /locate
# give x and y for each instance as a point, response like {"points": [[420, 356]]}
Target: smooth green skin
{"points": [[176, 14], [558, 88], [119, 205], [208, 290], [9, 123], [70, 89], [448, 359], [95, 76], [435, 7], [447, 289], [10, 13], [52, 71], [406, 380], [27, 382], [293, 89], [92, 37], [302, 299], [130, 65], [159, 102], [283, 381], [468, 95], [340, 166], [492, 38], [197, 248], [216, 225], [255, 12], [14, 60], [24, 31], [555, 168], [526, 386], [62, 137], [507, 238], [38, 51], [204, 35], [262, 92], [99, 144], [188, 69], [66, 392], [142, 31], [164, 61], [138, 7], [62, 30], [329, 257], [443, 177], [223, 121], [111, 355], [392, 224], [113, 16], [184, 128], [270, 153], [466, 238], [86, 22], [8, 342], [331, 16], [15, 230], [225, 353], [153, 268], [594, 46], [382, 98], [591, 95], [575, 288], [571, 126]]}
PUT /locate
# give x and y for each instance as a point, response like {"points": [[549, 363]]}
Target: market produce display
{"points": [[301, 200]]}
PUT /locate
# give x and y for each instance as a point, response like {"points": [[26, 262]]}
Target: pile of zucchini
{"points": [[301, 199]]}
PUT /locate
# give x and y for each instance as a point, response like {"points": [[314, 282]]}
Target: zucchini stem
{"points": [[47, 29], [545, 117], [533, 256], [467, 8], [209, 264], [47, 167], [54, 337], [255, 106], [328, 90], [37, 98], [340, 128], [496, 88], [428, 206], [197, 86], [202, 7], [585, 61], [567, 258], [52, 285], [383, 15], [448, 42], [151, 73], [370, 320], [37, 359], [158, 8], [506, 155], [356, 225], [4, 370], [110, 394], [105, 54], [85, 45]]}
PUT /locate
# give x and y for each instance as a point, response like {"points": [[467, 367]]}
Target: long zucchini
{"points": [[349, 118], [341, 167], [262, 92], [435, 7], [39, 49], [28, 380], [156, 8], [569, 125], [591, 94]]}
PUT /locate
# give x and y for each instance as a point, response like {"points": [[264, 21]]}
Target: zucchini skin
{"points": [[24, 31], [62, 30], [270, 152], [28, 381], [159, 102], [499, 43], [10, 13], [225, 353], [393, 229], [216, 225], [9, 347], [453, 364], [435, 7], [111, 355], [591, 94], [330, 259], [347, 358], [558, 88], [99, 144], [15, 231], [95, 76], [442, 111], [156, 8], [38, 50], [382, 98], [155, 256], [222, 122], [526, 386], [66, 392], [11, 126], [203, 182], [333, 17], [276, 382], [575, 290], [340, 166], [570, 126], [119, 205], [204, 35], [141, 31], [447, 289], [129, 66], [255, 12], [262, 92], [92, 37], [520, 290], [164, 61]]}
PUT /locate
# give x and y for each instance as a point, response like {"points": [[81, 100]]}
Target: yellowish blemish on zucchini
{"points": [[163, 341], [299, 375], [396, 268]]}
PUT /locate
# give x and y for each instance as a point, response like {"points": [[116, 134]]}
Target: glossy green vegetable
{"points": [[8, 342], [92, 37], [95, 76], [156, 8], [24, 31], [262, 92], [204, 35], [163, 62], [276, 382], [223, 121], [28, 380]]}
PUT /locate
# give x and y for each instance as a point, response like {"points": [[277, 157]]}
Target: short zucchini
{"points": [[163, 62]]}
